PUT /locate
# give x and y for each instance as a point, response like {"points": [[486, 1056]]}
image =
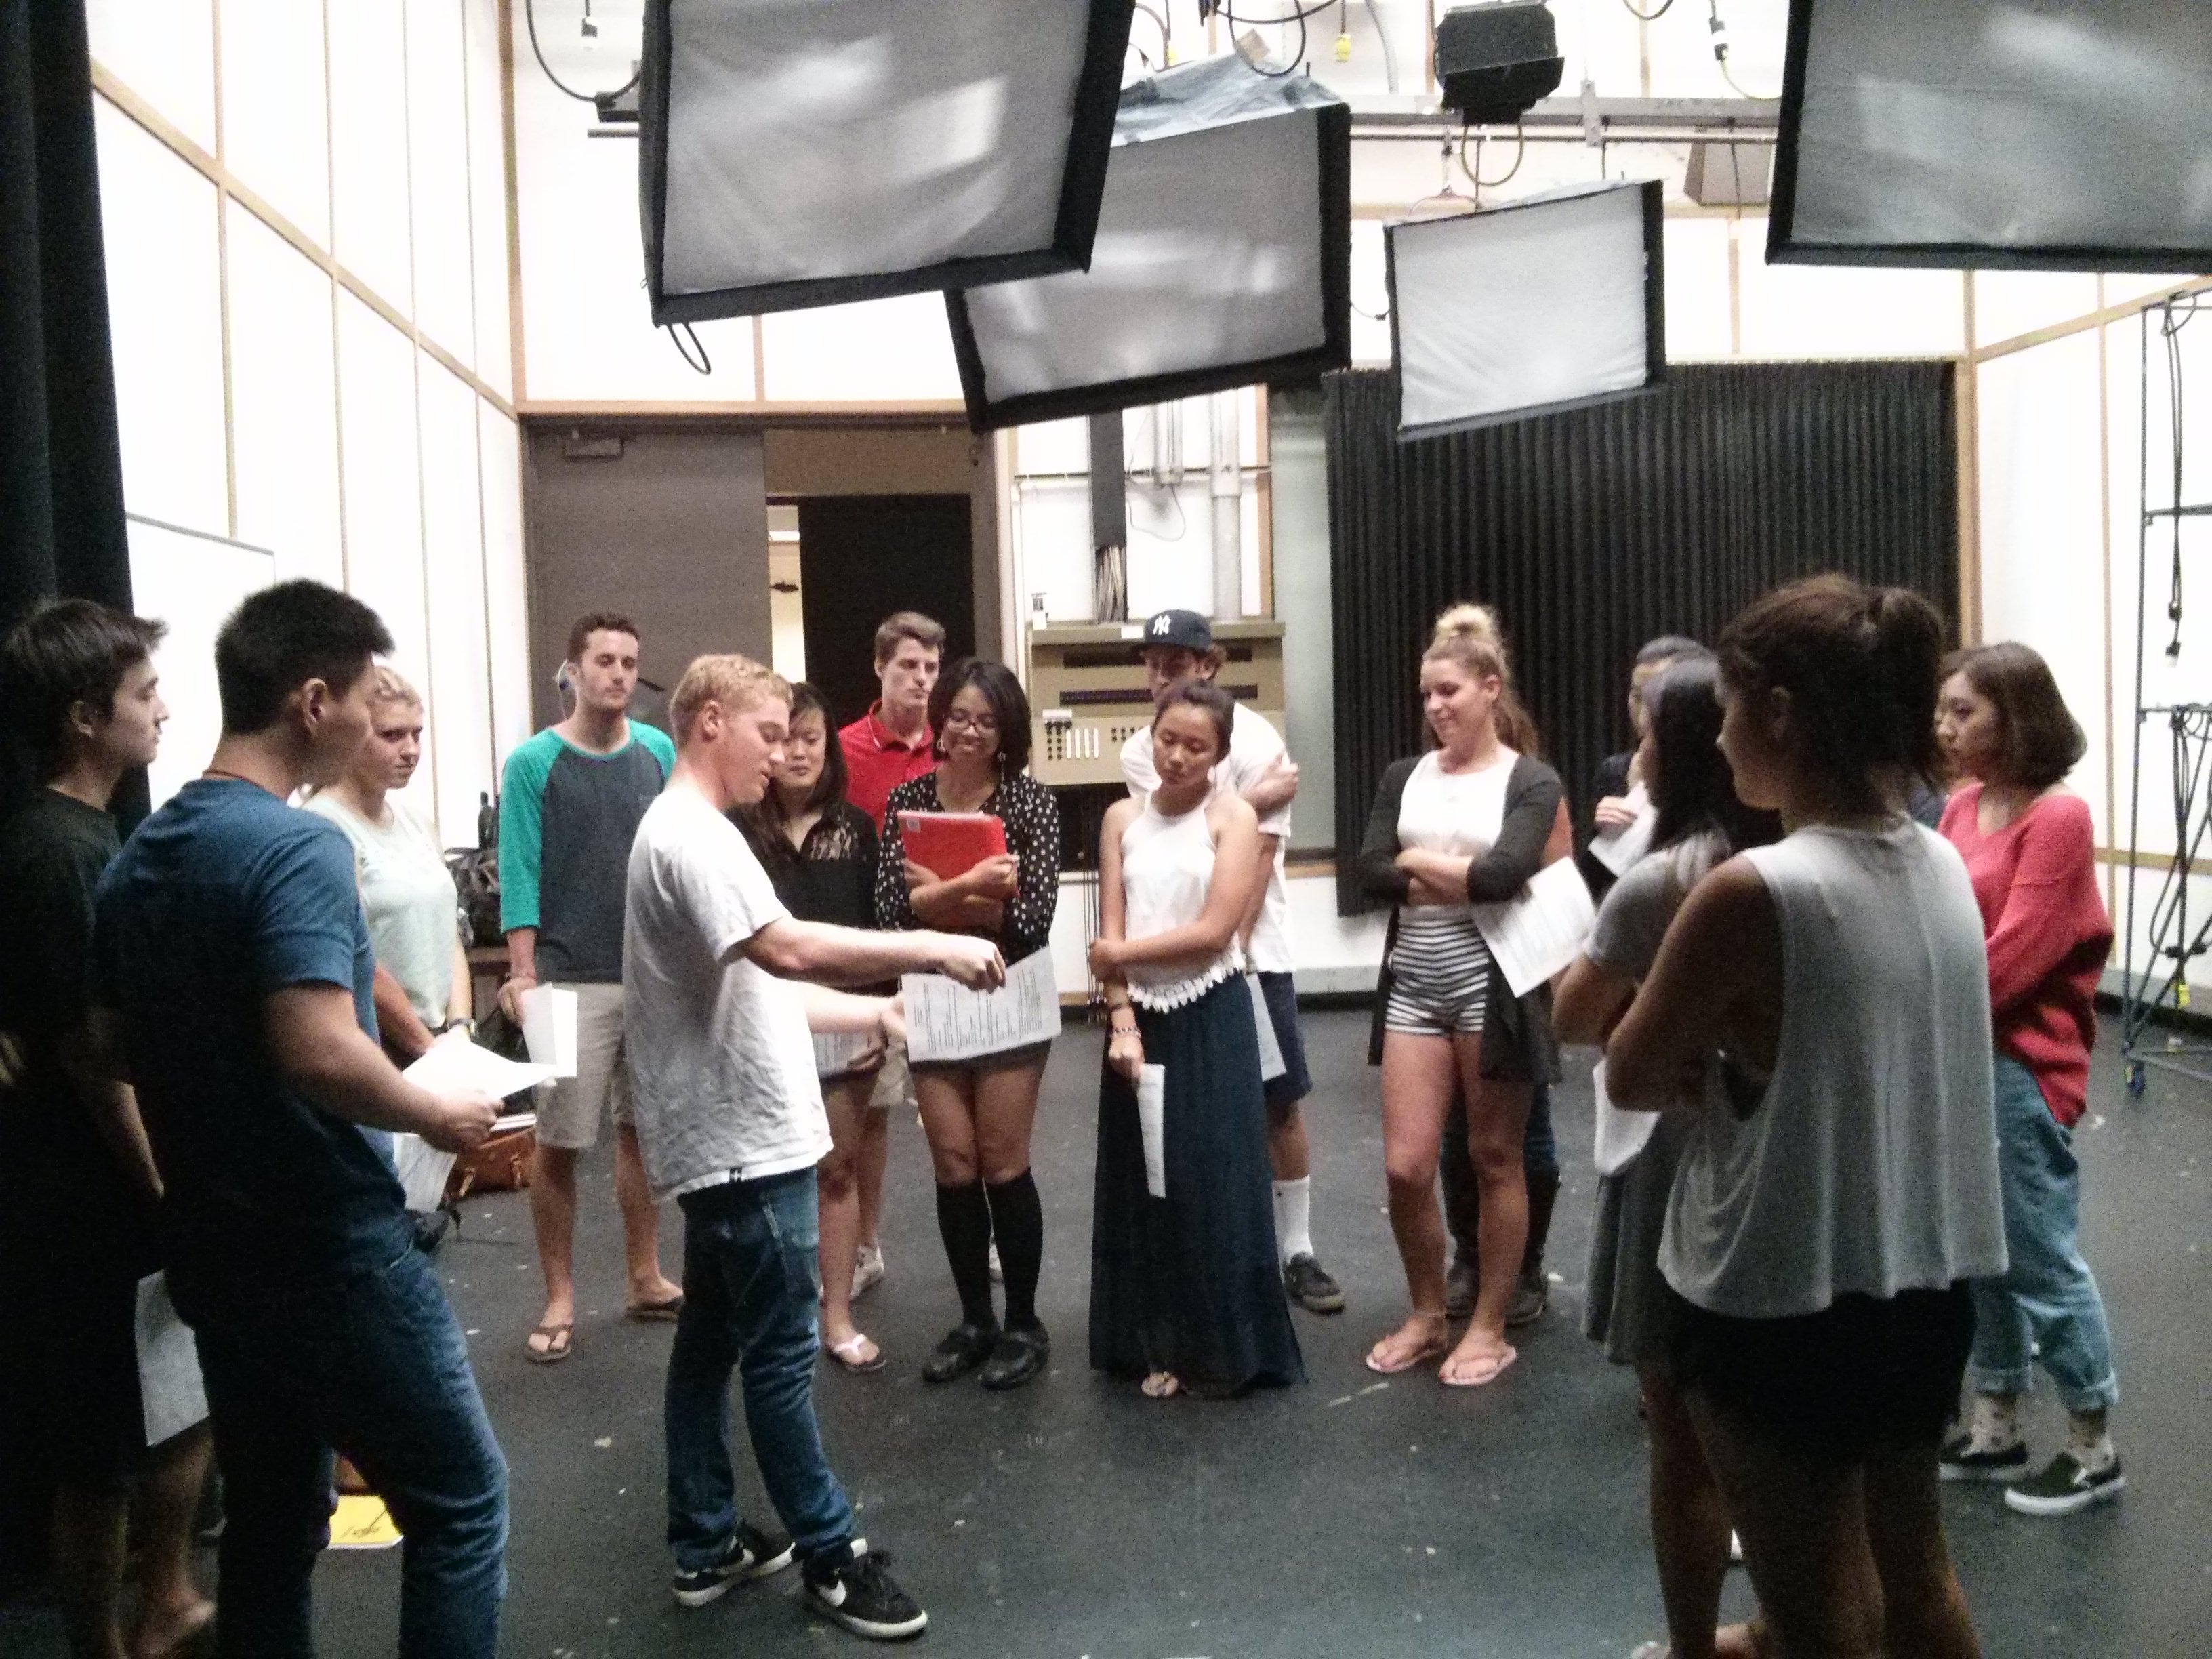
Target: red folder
{"points": [[950, 844]]}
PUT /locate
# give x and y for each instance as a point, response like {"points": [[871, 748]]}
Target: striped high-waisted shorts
{"points": [[1439, 973]]}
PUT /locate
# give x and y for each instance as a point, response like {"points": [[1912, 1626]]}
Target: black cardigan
{"points": [[1517, 1045]]}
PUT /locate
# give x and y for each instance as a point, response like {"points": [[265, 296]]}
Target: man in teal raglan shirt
{"points": [[570, 800]]}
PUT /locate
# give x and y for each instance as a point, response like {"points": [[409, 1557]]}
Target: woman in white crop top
{"points": [[1185, 1290], [1839, 1186]]}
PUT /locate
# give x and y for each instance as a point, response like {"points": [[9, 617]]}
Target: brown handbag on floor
{"points": [[501, 1164]]}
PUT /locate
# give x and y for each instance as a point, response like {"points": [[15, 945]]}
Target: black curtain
{"points": [[864, 556], [1594, 530]]}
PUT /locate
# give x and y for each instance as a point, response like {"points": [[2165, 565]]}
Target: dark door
{"points": [[862, 557]]}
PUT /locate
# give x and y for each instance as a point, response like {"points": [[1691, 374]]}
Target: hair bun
{"points": [[1468, 622]]}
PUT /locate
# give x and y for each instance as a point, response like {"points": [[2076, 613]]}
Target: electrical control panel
{"points": [[1087, 691]]}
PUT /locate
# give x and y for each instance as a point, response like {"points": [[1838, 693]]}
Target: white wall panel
{"points": [[438, 164], [368, 146], [453, 561], [2042, 507], [2010, 303], [276, 117], [507, 580], [163, 50], [1698, 311], [1053, 446], [382, 470], [487, 140], [165, 308], [1371, 293], [284, 414], [897, 349], [1831, 310]]}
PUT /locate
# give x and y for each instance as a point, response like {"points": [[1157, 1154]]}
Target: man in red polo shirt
{"points": [[891, 742]]}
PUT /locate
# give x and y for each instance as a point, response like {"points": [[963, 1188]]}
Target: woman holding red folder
{"points": [[977, 1114]]}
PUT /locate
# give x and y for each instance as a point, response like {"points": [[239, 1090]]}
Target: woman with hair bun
{"points": [[1839, 1189], [2031, 849], [1468, 822]]}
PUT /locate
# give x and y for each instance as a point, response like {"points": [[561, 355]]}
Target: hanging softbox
{"points": [[1543, 304], [1996, 133], [1223, 258], [799, 153]]}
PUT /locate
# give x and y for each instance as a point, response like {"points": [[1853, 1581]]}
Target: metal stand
{"points": [[2172, 937]]}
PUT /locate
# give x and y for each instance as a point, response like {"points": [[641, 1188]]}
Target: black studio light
{"points": [[2039, 134], [800, 153], [1223, 259], [1543, 304], [1494, 60]]}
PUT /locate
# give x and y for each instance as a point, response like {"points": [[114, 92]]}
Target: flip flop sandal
{"points": [[1497, 1368], [559, 1343], [665, 1312], [1425, 1351], [848, 1354]]}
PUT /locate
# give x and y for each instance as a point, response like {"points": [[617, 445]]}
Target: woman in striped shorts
{"points": [[1468, 822]]}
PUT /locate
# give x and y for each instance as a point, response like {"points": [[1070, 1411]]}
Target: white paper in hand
{"points": [[453, 1066], [945, 1021], [1620, 1135], [423, 1171], [1538, 934], [1619, 848], [1271, 1063], [1151, 1124], [548, 1029], [170, 1391]]}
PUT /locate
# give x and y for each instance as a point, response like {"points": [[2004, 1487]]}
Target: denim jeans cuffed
{"points": [[2046, 1305], [750, 1287], [373, 1362]]}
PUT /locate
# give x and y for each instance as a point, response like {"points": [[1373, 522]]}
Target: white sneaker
{"points": [[867, 1270]]}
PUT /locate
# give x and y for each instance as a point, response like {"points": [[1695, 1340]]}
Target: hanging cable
{"points": [[1719, 31], [530, 22], [1474, 174], [699, 363], [2174, 319], [1665, 6], [1297, 57]]}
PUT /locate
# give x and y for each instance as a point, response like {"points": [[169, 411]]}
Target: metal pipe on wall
{"points": [[1225, 479]]}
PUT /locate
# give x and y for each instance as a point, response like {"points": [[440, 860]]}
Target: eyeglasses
{"points": [[982, 725]]}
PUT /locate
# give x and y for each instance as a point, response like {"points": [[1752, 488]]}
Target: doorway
{"points": [[861, 557]]}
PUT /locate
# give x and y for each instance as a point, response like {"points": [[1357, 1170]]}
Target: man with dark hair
{"points": [[78, 688], [1179, 647], [233, 976], [570, 801]]}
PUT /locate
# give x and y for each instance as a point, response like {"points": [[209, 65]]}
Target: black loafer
{"points": [[1016, 1357], [965, 1346]]}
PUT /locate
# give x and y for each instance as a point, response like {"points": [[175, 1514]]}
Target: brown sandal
{"points": [[559, 1343]]}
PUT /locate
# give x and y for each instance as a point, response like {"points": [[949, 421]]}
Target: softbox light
{"points": [[1223, 258], [1547, 303], [800, 153], [2013, 134]]}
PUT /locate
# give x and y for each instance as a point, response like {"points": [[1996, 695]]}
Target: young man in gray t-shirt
{"points": [[730, 1124]]}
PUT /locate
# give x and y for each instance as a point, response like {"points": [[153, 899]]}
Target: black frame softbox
{"points": [[1550, 303], [1997, 134], [1224, 258], [820, 152]]}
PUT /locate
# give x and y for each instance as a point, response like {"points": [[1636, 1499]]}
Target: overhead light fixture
{"points": [[1223, 258], [1996, 133], [802, 152], [1494, 61], [1533, 306]]}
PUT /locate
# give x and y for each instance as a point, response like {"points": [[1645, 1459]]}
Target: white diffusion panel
{"points": [[382, 469], [438, 166], [453, 566], [507, 580], [276, 116], [163, 50], [283, 399], [165, 313], [368, 146], [192, 583], [488, 194]]}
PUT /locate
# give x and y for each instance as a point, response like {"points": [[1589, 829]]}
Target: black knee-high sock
{"points": [[1018, 1222], [964, 1220]]}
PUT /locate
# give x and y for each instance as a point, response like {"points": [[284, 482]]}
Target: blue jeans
{"points": [[2047, 1296], [749, 1291], [372, 1363]]}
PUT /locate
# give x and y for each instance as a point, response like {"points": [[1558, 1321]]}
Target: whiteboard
{"points": [[192, 581]]}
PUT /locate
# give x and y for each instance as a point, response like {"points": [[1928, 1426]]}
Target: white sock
{"points": [[2088, 1439], [1996, 1422], [1294, 1217]]}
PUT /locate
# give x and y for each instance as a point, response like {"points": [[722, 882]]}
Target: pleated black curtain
{"points": [[61, 471], [1596, 530]]}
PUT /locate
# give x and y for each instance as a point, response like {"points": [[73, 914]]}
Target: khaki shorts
{"points": [[894, 1082], [569, 1108]]}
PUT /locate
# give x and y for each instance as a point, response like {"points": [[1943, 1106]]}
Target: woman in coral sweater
{"points": [[2029, 847]]}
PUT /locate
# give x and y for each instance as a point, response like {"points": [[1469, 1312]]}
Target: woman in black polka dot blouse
{"points": [[977, 1114]]}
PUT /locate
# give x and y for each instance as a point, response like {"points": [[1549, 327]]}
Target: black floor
{"points": [[1351, 1516]]}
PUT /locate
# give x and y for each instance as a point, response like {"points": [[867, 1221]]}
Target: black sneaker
{"points": [[1018, 1356], [1959, 1461], [1308, 1285], [1462, 1285], [965, 1346], [749, 1554], [1532, 1295], [2063, 1486], [851, 1586]]}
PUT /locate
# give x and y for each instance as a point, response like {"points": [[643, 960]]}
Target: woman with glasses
{"points": [[978, 1113]]}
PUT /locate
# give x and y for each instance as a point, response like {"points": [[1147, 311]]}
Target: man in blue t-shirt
{"points": [[231, 986]]}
